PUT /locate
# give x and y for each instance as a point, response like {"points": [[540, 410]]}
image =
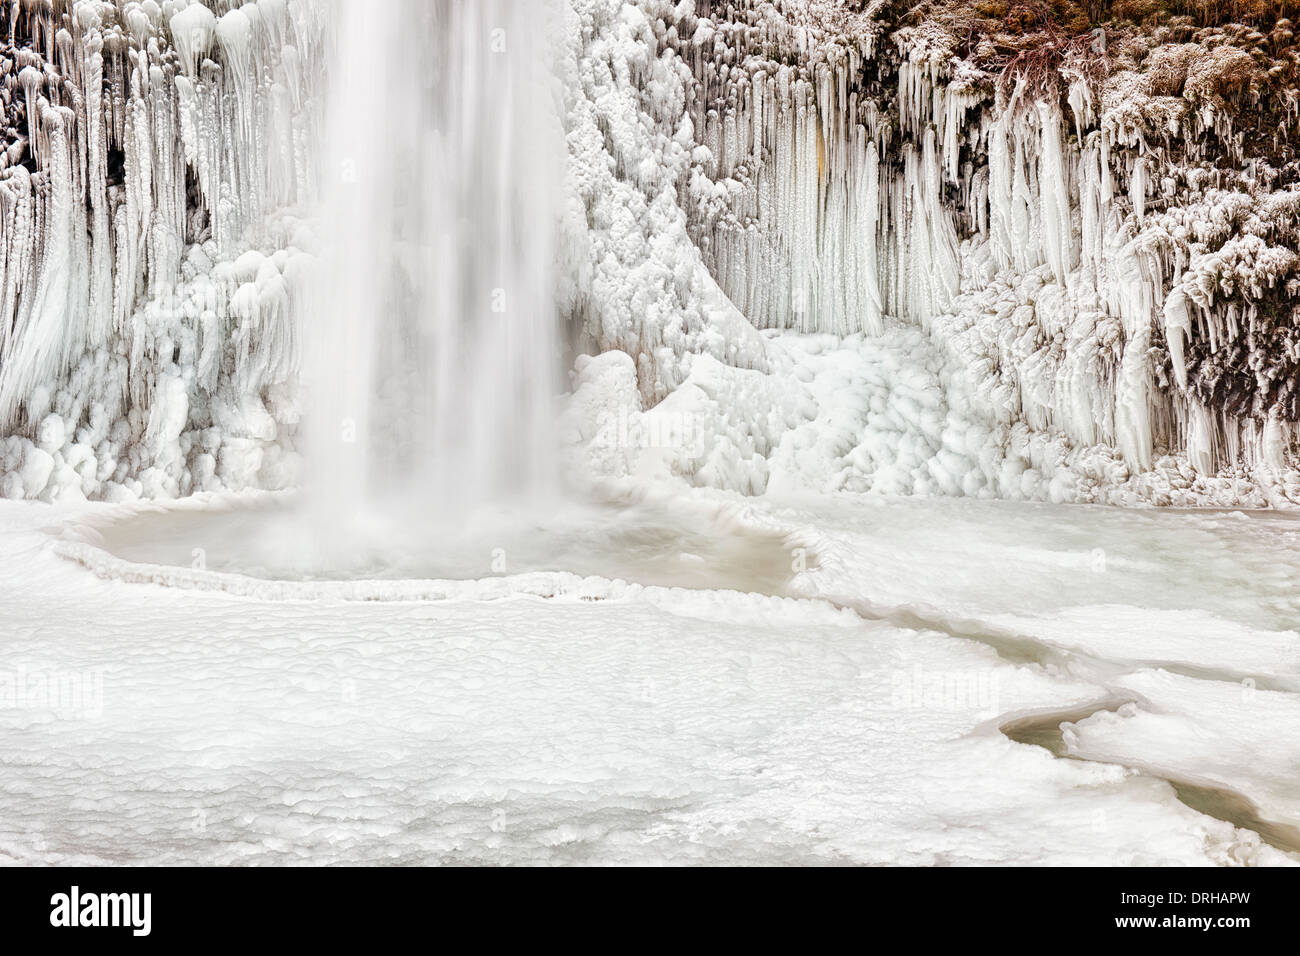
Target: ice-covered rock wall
{"points": [[150, 258], [638, 283], [1099, 256], [1070, 273]]}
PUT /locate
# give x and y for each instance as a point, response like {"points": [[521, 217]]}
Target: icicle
{"points": [[1178, 326], [871, 308], [1200, 440], [1135, 295], [192, 31], [1058, 236], [1137, 190]]}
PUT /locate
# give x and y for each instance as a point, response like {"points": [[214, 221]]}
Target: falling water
{"points": [[435, 355]]}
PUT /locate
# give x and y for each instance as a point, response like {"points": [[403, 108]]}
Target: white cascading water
{"points": [[435, 346], [433, 349]]}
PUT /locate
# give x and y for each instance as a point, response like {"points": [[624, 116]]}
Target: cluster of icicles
{"points": [[841, 211], [160, 137]]}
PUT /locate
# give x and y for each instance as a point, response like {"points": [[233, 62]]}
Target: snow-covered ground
{"points": [[612, 723]]}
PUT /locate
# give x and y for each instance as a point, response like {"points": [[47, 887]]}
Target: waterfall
{"points": [[435, 361]]}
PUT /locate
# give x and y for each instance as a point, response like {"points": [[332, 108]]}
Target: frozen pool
{"points": [[272, 538]]}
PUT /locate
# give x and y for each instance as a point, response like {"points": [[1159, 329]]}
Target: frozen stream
{"points": [[862, 722]]}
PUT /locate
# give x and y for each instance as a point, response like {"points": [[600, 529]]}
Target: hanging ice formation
{"points": [[149, 273], [833, 213]]}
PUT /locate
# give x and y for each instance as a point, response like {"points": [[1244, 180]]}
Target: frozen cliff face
{"points": [[150, 263], [638, 283], [1092, 231], [858, 246]]}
